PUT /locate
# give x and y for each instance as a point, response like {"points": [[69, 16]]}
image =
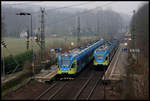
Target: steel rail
{"points": [[42, 94], [57, 91], [79, 92], [93, 88]]}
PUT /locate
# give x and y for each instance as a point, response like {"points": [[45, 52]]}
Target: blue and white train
{"points": [[104, 54], [75, 60]]}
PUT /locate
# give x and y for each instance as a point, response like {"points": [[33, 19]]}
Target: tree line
{"points": [[140, 28], [98, 22]]}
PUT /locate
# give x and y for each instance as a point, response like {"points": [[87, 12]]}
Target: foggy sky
{"points": [[125, 7]]}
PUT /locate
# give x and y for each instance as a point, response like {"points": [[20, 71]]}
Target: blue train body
{"points": [[75, 60], [103, 54]]}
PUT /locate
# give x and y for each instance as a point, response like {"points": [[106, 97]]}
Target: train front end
{"points": [[100, 57], [66, 65]]}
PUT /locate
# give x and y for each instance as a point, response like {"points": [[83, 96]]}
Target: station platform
{"points": [[116, 69], [46, 75]]}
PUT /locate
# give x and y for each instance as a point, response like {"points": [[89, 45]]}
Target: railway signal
{"points": [[3, 44], [23, 13]]}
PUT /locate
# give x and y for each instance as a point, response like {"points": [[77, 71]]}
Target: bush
{"points": [[17, 61]]}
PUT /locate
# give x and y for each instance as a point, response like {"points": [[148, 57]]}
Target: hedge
{"points": [[10, 63]]}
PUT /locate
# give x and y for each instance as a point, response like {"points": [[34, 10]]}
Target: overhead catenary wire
{"points": [[74, 15], [65, 7], [55, 8], [71, 16], [69, 6]]}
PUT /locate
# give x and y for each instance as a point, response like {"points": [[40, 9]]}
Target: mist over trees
{"points": [[140, 27], [106, 23], [140, 33]]}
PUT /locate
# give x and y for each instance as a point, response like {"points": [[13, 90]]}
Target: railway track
{"points": [[82, 87], [42, 94], [93, 88], [51, 91], [88, 85], [86, 93]]}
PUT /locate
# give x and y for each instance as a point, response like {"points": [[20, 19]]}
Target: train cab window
{"points": [[73, 65], [106, 58], [65, 62]]}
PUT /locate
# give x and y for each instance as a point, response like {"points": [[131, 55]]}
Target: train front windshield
{"points": [[100, 54], [65, 61]]}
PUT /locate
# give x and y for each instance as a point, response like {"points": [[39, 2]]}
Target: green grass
{"points": [[18, 45]]}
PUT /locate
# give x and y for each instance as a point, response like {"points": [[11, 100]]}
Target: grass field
{"points": [[18, 45]]}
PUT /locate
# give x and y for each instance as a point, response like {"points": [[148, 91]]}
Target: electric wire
{"points": [[74, 15], [64, 20], [56, 8]]}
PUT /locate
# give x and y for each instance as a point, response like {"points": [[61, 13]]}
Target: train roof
{"points": [[78, 51], [106, 45], [86, 48]]}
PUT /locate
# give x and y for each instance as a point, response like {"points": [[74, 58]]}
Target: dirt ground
{"points": [[33, 89], [29, 91]]}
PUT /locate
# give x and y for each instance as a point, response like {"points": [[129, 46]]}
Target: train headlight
{"points": [[64, 65]]}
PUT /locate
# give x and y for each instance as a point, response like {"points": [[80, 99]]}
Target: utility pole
{"points": [[3, 34], [28, 39], [42, 33], [24, 14], [78, 32], [103, 25], [5, 46], [126, 28], [32, 47], [133, 30], [133, 36], [3, 64], [98, 35], [3, 26]]}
